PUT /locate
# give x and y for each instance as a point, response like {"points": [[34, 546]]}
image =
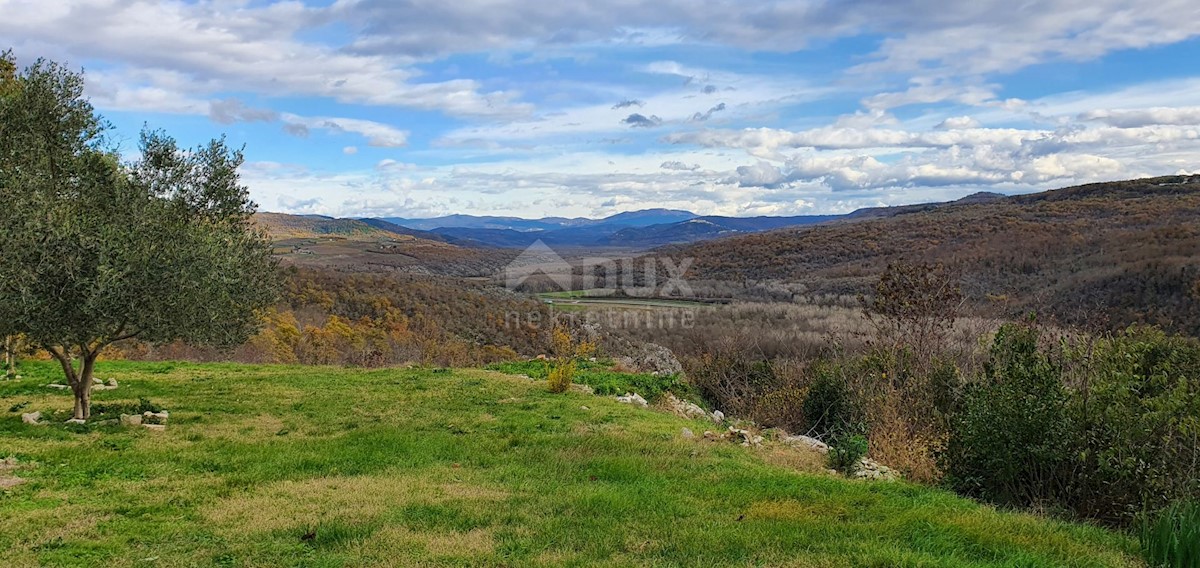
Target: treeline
{"points": [[1096, 426], [370, 319], [1103, 256]]}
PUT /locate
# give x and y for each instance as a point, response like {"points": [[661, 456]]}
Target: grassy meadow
{"points": [[326, 466]]}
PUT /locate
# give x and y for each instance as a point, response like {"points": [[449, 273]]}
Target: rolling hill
{"points": [[374, 244], [1107, 254]]}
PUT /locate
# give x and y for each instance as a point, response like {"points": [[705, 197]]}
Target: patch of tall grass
{"points": [[1172, 538]]}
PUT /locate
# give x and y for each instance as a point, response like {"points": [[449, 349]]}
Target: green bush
{"points": [[1012, 441], [846, 453], [830, 409], [1172, 538], [1104, 429], [1138, 405]]}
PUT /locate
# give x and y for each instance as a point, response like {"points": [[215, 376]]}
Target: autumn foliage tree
{"points": [[97, 251]]}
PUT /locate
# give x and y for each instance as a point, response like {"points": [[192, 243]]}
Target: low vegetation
{"points": [[326, 466], [1103, 427]]}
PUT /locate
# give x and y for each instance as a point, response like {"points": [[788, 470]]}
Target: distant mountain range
{"points": [[644, 229], [634, 229]]}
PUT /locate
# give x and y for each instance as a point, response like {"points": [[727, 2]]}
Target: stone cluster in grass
{"points": [[868, 469], [97, 385], [156, 421]]}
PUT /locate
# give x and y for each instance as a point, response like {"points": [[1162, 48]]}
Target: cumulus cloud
{"points": [[251, 49], [637, 120], [958, 123], [293, 205], [761, 174]]}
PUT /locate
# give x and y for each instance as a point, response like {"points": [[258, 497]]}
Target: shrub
{"points": [[733, 382], [1172, 538], [846, 453], [1012, 442], [782, 408], [830, 409], [561, 375], [1137, 400]]}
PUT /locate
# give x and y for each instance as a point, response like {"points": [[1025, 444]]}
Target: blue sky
{"points": [[420, 108]]}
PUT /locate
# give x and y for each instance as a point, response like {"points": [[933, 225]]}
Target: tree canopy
{"points": [[97, 250]]}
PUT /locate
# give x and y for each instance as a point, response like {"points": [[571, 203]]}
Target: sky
{"points": [[421, 108]]}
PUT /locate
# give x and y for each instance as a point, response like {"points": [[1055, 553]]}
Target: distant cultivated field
{"points": [[322, 466]]}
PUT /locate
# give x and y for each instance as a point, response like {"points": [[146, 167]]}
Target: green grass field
{"points": [[322, 466]]}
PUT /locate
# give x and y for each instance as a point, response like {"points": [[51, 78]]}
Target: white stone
{"points": [[807, 441], [684, 409], [131, 420], [57, 386], [633, 398], [154, 417], [31, 417], [718, 416], [687, 434], [75, 421]]}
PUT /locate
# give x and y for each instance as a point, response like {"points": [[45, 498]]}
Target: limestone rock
{"points": [[874, 471], [806, 441], [634, 398], [154, 417], [687, 434], [747, 437], [718, 416], [57, 386], [684, 409], [651, 358], [131, 420], [31, 418], [75, 421], [155, 427]]}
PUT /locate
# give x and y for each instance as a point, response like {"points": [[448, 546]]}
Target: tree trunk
{"points": [[10, 362], [80, 380], [83, 387]]}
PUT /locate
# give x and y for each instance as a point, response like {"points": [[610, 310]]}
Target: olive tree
{"points": [[97, 251]]}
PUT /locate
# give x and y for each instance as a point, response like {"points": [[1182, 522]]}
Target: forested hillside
{"points": [[1105, 254]]}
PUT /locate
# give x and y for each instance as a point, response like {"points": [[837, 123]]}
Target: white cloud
{"points": [[376, 133], [223, 47], [1136, 118], [958, 123]]}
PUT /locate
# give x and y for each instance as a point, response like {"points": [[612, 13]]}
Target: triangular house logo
{"points": [[538, 259]]}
